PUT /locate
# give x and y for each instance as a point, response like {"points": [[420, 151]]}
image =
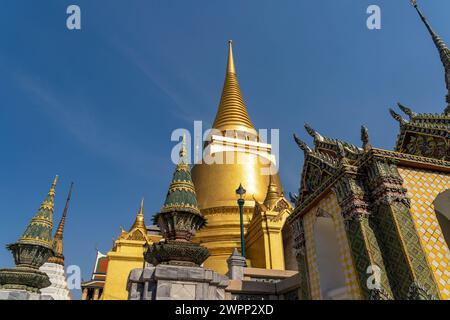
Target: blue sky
{"points": [[97, 106]]}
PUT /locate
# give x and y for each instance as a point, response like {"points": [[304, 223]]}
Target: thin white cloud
{"points": [[158, 79], [75, 117]]}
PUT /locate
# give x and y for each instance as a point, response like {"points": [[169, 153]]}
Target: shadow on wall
{"points": [[331, 274], [442, 210]]}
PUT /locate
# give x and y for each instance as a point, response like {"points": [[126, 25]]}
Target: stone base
{"points": [[177, 253], [23, 279], [58, 290], [22, 295], [168, 282]]}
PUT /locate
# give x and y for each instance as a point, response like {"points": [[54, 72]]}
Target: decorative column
{"points": [[32, 250], [236, 264], [96, 294], [405, 260], [352, 198], [84, 295], [240, 191], [298, 233]]}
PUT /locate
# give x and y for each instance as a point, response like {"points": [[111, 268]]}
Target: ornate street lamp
{"points": [[241, 193]]}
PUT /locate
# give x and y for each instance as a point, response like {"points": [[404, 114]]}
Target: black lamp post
{"points": [[241, 193]]}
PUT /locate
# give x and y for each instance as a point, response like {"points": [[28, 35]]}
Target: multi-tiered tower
{"points": [[30, 252], [54, 267]]}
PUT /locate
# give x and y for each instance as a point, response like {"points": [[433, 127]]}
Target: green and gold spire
{"points": [[32, 250], [181, 195], [39, 231], [232, 113], [178, 220], [444, 52]]}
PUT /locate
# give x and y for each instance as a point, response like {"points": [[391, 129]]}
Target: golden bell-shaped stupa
{"points": [[215, 183]]}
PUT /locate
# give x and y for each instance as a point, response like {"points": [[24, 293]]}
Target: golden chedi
{"points": [[240, 157]]}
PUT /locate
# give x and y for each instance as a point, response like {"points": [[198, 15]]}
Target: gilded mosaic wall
{"points": [[330, 205], [423, 188]]}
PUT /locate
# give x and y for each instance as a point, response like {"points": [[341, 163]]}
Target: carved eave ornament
{"points": [[331, 147], [329, 157], [278, 208]]}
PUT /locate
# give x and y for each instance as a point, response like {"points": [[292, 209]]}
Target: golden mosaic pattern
{"points": [[330, 205], [311, 258], [423, 188]]}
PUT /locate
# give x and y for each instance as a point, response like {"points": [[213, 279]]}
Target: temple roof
{"points": [[331, 147], [139, 222], [327, 158], [39, 231], [232, 113], [273, 193]]}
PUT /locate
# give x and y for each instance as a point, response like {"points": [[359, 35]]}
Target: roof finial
{"points": [[183, 150], [396, 116], [406, 110], [313, 133], [301, 144], [139, 223], [230, 64], [232, 113], [444, 52], [365, 138], [273, 193]]}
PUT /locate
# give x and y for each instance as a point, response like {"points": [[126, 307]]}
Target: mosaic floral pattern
{"points": [[423, 188], [314, 281], [330, 206]]}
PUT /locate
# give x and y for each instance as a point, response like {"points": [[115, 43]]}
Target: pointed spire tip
{"points": [[230, 65]]}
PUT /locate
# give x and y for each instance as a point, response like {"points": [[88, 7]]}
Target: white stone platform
{"points": [[58, 290]]}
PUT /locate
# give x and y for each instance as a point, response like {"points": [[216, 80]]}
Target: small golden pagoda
{"points": [[126, 254]]}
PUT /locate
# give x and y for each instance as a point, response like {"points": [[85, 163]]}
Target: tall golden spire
{"points": [[232, 113], [139, 223], [60, 230], [444, 52], [58, 246]]}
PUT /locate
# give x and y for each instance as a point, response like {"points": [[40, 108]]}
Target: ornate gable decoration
{"points": [[274, 202], [328, 156], [425, 135]]}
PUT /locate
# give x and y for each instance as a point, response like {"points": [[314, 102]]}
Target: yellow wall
{"points": [[330, 205], [264, 243], [222, 235], [423, 188], [128, 255]]}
